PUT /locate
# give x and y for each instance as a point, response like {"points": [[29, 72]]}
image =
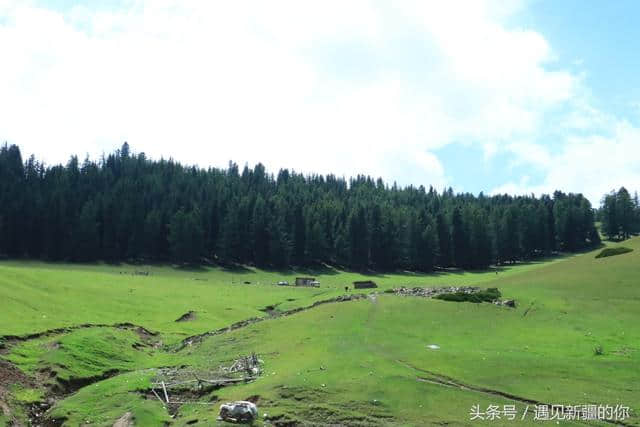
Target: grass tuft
{"points": [[607, 252], [488, 295], [27, 395], [598, 350]]}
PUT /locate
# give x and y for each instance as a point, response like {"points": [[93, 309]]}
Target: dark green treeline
{"points": [[620, 215], [128, 207]]}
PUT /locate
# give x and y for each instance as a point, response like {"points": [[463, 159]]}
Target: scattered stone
{"points": [[248, 364], [508, 303], [433, 292]]}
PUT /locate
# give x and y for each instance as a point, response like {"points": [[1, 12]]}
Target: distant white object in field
{"points": [[433, 347], [240, 411]]}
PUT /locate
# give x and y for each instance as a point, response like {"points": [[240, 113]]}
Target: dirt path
{"points": [[4, 406], [146, 334], [12, 339], [195, 339], [10, 376]]}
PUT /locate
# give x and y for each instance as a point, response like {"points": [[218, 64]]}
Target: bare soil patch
{"points": [[10, 375], [126, 420]]}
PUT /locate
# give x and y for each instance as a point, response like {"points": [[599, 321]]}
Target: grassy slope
{"points": [[46, 296], [546, 355]]}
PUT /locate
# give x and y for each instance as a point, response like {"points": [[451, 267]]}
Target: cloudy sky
{"points": [[518, 97]]}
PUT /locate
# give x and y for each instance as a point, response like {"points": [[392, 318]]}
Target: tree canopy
{"points": [[620, 214], [128, 207]]}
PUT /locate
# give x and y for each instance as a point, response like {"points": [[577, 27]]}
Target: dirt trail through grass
{"points": [[146, 333], [140, 330], [195, 339], [67, 388]]}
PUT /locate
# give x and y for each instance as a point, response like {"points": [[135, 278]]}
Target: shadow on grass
{"points": [[319, 270], [236, 269], [328, 270], [325, 269], [322, 269], [315, 270], [193, 268], [453, 271]]}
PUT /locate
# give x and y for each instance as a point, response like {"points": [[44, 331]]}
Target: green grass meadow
{"points": [[364, 362]]}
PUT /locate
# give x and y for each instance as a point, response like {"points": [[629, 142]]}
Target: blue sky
{"points": [[595, 40], [599, 39], [493, 96]]}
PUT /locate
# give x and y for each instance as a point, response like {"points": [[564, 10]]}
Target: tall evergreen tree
{"points": [[299, 237], [625, 213], [444, 240], [428, 245], [378, 243], [155, 235], [610, 223], [259, 224], [186, 239], [508, 236], [460, 240], [279, 244], [87, 239], [358, 242], [480, 240]]}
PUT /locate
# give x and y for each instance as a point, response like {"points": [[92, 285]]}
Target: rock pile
{"points": [[433, 292], [249, 364], [436, 292]]}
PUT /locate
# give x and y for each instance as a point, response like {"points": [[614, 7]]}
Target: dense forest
{"points": [[128, 207]]}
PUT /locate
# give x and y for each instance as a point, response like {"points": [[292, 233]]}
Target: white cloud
{"points": [[206, 82], [529, 153], [593, 165]]}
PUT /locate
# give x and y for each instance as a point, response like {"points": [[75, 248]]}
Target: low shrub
{"points": [[488, 295], [598, 350], [613, 251]]}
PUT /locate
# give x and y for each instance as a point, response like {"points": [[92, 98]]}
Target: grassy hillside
{"points": [[364, 362], [47, 296]]}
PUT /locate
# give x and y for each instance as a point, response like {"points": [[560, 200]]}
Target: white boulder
{"points": [[238, 412]]}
